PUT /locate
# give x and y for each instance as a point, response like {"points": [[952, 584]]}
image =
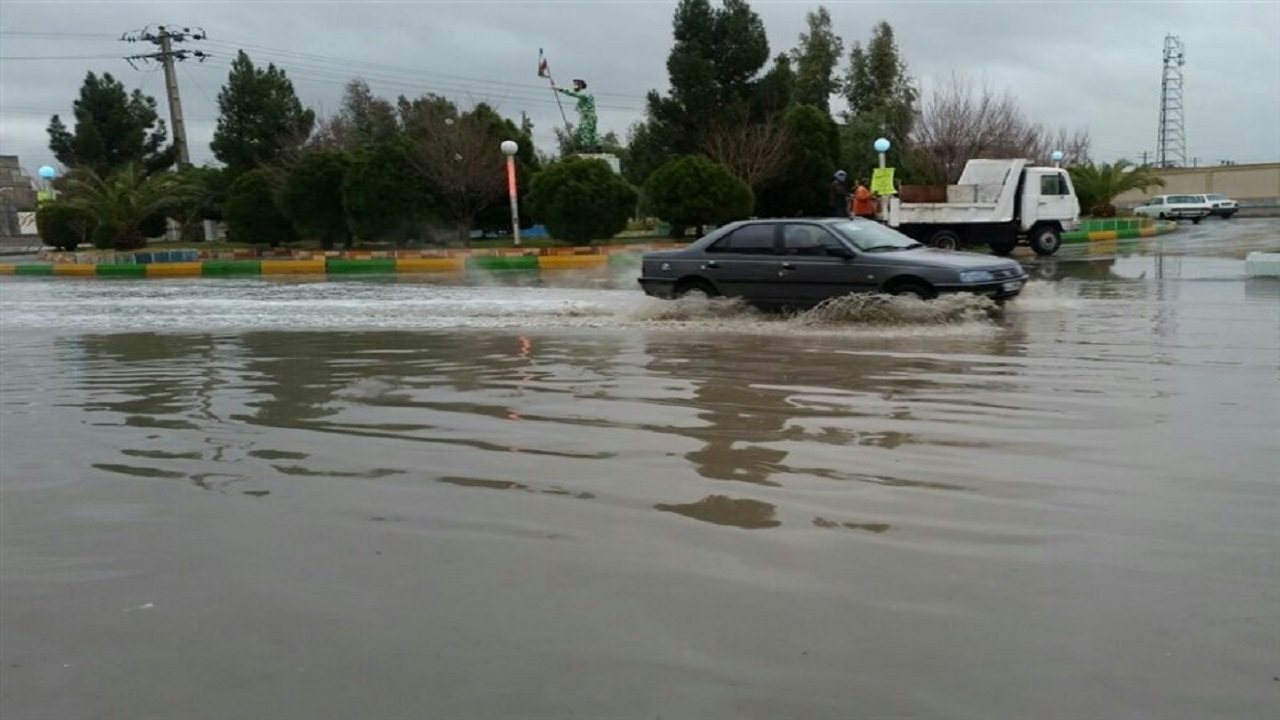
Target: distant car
{"points": [[1175, 207], [799, 262], [1221, 205]]}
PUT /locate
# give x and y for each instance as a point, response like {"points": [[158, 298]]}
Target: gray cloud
{"points": [[1071, 64]]}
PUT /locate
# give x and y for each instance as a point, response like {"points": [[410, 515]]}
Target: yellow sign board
{"points": [[882, 181]]}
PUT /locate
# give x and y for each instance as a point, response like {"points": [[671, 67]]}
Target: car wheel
{"points": [[911, 288], [1163, 216], [945, 240], [1046, 240], [695, 287]]}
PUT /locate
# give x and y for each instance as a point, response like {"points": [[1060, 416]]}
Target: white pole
{"points": [[510, 148]]}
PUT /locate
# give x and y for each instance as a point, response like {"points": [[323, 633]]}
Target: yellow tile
{"points": [[182, 269], [567, 262], [74, 269], [292, 267], [6, 269]]}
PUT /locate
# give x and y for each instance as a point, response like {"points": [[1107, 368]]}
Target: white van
{"points": [[1175, 207]]}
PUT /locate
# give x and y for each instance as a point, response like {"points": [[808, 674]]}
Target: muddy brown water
{"points": [[547, 497]]}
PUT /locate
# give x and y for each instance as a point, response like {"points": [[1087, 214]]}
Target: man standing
{"points": [[838, 195], [587, 141], [864, 203]]}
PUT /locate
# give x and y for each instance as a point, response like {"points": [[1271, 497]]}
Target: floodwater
{"points": [[546, 496]]}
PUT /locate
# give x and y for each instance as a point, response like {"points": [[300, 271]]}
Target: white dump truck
{"points": [[998, 203]]}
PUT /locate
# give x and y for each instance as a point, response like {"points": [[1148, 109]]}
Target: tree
{"points": [[362, 120], [775, 92], [125, 202], [63, 226], [458, 155], [692, 190], [1097, 186], [581, 200], [960, 122], [261, 121], [816, 59], [112, 129], [753, 152], [251, 212], [383, 195], [881, 97], [801, 187], [312, 197], [648, 148], [712, 66]]}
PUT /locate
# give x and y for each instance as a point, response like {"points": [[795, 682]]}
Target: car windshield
{"points": [[869, 236]]}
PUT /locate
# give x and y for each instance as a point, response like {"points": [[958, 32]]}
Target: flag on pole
{"points": [[543, 69]]}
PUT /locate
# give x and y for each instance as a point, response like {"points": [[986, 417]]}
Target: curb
{"points": [[1119, 233], [327, 266]]}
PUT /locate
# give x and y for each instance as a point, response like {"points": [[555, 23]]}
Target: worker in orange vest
{"points": [[864, 203]]}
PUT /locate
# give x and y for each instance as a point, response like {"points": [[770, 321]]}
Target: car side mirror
{"points": [[841, 251]]}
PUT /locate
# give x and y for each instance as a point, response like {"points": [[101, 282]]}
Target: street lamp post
{"points": [[510, 148], [882, 147]]}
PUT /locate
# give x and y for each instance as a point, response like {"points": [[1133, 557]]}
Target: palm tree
{"points": [[1097, 186], [126, 201]]}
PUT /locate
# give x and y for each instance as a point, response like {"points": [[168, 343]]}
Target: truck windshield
{"points": [[869, 236]]}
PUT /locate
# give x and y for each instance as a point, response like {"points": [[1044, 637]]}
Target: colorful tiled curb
{"points": [[1122, 229], [325, 266]]}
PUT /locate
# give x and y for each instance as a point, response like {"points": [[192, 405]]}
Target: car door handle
{"points": [[788, 266], [711, 264]]}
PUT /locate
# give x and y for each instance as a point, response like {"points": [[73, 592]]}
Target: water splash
{"points": [[694, 307], [877, 309]]}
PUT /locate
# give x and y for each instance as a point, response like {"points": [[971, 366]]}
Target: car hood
{"points": [[951, 259]]}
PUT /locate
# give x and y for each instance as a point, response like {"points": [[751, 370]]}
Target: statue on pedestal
{"points": [[588, 142]]}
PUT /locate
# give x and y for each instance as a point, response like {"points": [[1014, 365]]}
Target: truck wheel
{"points": [[1003, 246], [1045, 240], [945, 240]]}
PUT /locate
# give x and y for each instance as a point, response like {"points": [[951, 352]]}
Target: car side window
{"points": [[805, 239], [754, 239]]}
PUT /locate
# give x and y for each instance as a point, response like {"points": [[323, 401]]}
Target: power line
{"points": [[17, 58]]}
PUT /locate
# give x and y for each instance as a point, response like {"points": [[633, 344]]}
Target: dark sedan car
{"points": [[800, 262]]}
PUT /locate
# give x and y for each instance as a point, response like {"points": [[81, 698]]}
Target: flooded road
{"points": [[547, 496]]}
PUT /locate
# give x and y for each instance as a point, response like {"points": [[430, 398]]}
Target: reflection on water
{"points": [[1077, 486], [722, 510]]}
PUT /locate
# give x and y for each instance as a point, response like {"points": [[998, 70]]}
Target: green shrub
{"points": [[62, 226], [692, 190], [252, 214], [580, 200]]}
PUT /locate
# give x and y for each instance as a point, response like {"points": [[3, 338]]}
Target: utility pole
{"points": [[165, 39]]}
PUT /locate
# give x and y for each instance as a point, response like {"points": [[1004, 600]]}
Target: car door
{"points": [[812, 268], [744, 263]]}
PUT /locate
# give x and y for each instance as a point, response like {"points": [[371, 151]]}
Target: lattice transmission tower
{"points": [[1171, 145]]}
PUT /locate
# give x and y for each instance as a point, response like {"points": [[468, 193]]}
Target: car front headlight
{"points": [[976, 276]]}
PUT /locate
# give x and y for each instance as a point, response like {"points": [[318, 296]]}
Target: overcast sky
{"points": [[1095, 65]]}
